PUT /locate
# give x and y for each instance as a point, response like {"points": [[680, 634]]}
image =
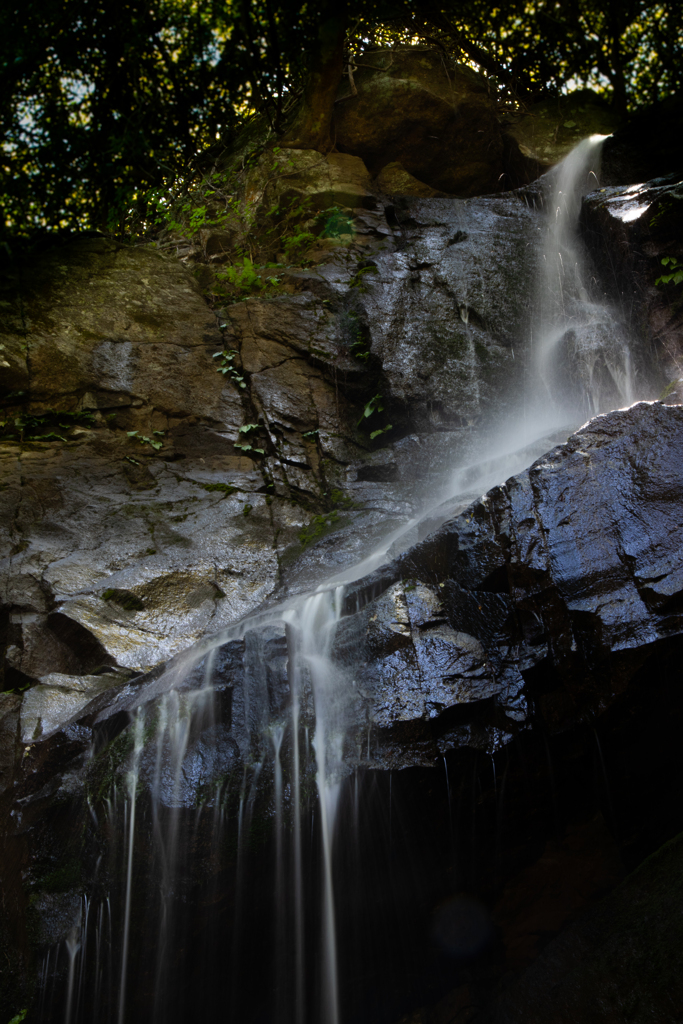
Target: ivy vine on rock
{"points": [[143, 439], [249, 428], [40, 426], [375, 405], [676, 274], [227, 366]]}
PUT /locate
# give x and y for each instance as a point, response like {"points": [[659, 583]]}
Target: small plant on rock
{"points": [[246, 278], [227, 368], [248, 428], [676, 275], [375, 405], [37, 426], [337, 222], [143, 439]]}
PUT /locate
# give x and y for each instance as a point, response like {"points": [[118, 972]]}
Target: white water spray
{"points": [[577, 337]]}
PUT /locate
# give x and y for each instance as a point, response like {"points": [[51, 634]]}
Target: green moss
{"points": [[64, 877], [104, 769], [124, 599], [225, 488]]}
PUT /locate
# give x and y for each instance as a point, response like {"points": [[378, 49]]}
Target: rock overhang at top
{"points": [[440, 125], [425, 126]]}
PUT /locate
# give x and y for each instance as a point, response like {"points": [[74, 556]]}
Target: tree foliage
{"points": [[101, 101]]}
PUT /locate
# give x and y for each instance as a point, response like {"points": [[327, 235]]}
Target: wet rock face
{"points": [[175, 503], [549, 592], [539, 601], [534, 605], [630, 230], [451, 286]]}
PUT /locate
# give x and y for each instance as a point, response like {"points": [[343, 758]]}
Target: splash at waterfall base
{"points": [[392, 789]]}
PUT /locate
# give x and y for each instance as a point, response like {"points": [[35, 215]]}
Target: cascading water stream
{"points": [[583, 362], [132, 781], [312, 631], [578, 341]]}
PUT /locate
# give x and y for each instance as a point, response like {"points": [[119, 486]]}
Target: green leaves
{"points": [[227, 358], [676, 275], [336, 222], [246, 277], [374, 405], [384, 430], [359, 350], [36, 426], [248, 428], [156, 445], [102, 102], [249, 448]]}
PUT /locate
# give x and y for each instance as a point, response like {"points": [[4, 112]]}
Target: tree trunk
{"points": [[312, 127]]}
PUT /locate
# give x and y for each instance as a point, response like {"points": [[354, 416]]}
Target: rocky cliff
{"points": [[191, 439]]}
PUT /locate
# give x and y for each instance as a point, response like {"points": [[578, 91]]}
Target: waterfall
{"points": [[581, 365], [582, 353], [129, 828]]}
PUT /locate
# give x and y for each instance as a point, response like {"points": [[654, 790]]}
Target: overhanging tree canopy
{"points": [[102, 100]]}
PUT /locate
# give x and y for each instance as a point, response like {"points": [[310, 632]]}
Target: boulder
{"points": [[436, 119], [394, 180], [57, 700], [318, 180]]}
